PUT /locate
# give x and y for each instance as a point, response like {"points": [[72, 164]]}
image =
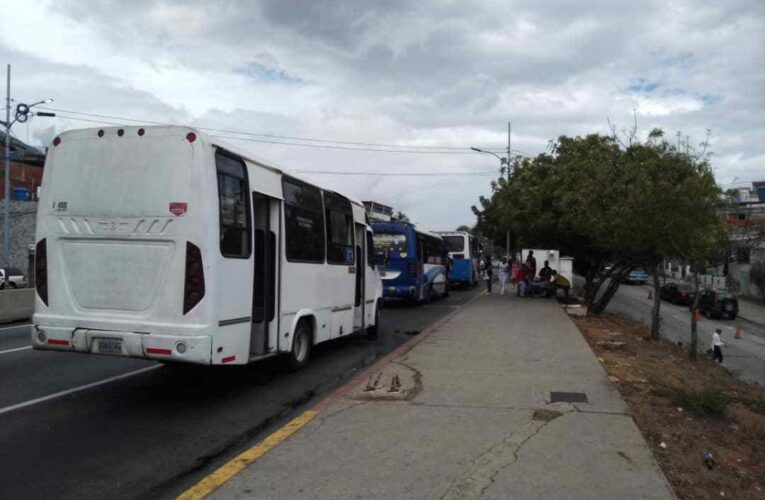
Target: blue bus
{"points": [[463, 250], [415, 262]]}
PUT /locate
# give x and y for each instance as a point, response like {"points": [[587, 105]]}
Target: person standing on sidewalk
{"points": [[717, 345], [486, 272], [531, 263], [504, 269]]}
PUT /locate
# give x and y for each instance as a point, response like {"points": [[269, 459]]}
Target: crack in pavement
{"points": [[483, 470], [320, 421]]}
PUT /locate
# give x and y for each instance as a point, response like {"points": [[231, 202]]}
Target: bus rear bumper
{"points": [[180, 348], [399, 292]]}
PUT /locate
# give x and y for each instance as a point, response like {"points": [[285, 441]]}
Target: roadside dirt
{"points": [[685, 410]]}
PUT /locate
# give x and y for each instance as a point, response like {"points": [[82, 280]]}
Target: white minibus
{"points": [[164, 243]]}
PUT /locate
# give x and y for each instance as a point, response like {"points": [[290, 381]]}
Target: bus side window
{"points": [[234, 207], [303, 221], [339, 217]]}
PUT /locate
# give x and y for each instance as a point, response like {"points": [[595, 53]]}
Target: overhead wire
{"points": [[383, 147]]}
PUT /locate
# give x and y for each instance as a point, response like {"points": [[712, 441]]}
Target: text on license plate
{"points": [[110, 346]]}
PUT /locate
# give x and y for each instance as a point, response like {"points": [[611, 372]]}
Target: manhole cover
{"points": [[568, 397]]}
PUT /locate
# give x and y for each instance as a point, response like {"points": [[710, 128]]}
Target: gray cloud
{"points": [[429, 72]]}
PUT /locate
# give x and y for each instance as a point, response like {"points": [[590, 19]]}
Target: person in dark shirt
{"points": [[545, 274]]}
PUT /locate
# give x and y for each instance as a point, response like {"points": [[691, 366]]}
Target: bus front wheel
{"points": [[301, 345]]}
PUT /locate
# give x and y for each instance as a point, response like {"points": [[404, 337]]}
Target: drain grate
{"points": [[568, 397]]}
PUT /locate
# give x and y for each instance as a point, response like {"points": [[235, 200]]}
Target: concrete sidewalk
{"points": [[472, 419]]}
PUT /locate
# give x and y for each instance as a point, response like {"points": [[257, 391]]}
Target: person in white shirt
{"points": [[717, 345], [504, 270]]}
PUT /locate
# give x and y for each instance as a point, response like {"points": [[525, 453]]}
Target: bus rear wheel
{"points": [[301, 346]]}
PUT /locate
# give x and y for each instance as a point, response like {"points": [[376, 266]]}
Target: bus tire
{"points": [[301, 345], [372, 330]]}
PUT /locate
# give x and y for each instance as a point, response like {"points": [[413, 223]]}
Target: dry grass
{"points": [[691, 407]]}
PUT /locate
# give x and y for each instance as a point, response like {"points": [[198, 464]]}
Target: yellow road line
{"points": [[238, 463]]}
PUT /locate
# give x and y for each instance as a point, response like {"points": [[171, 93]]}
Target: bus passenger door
{"points": [[361, 259], [266, 224]]}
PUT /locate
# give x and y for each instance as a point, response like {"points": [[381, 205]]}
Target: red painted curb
{"points": [[388, 358]]}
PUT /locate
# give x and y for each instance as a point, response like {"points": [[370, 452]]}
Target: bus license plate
{"points": [[110, 346]]}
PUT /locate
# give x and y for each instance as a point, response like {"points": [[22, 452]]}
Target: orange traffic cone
{"points": [[738, 333], [697, 315]]}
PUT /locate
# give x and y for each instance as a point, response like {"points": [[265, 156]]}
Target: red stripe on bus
{"points": [[155, 350], [228, 359], [58, 342]]}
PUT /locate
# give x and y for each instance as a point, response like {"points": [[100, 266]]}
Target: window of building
{"points": [[303, 221], [234, 207], [339, 217]]}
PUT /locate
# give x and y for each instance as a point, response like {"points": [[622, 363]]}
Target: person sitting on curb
{"points": [[717, 345], [560, 281], [545, 274]]}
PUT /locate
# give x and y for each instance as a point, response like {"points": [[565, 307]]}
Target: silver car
{"points": [[16, 278]]}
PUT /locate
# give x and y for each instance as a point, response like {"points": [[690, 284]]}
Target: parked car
{"points": [[718, 304], [16, 278], [636, 277], [677, 293]]}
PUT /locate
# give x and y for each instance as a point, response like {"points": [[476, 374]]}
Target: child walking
{"points": [[717, 345]]}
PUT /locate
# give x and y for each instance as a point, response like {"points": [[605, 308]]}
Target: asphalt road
{"points": [[139, 429], [745, 357]]}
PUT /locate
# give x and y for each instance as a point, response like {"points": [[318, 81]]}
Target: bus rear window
{"points": [[455, 243], [395, 244]]}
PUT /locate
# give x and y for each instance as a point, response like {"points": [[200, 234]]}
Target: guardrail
{"points": [[16, 305]]}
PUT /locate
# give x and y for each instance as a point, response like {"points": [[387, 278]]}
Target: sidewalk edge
{"points": [[240, 462]]}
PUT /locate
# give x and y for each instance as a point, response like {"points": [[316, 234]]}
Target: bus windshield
{"points": [[394, 243], [455, 243]]}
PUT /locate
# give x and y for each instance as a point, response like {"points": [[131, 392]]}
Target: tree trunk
{"points": [[599, 305], [694, 331], [655, 317]]}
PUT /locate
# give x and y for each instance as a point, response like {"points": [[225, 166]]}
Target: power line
{"points": [[389, 174], [283, 143], [273, 136]]}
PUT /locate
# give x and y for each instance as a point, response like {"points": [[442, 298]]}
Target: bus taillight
{"points": [[194, 286], [41, 270]]}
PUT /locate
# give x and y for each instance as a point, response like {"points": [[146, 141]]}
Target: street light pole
{"points": [[22, 115], [502, 161], [7, 182]]}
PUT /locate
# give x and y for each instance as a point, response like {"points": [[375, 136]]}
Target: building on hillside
{"points": [[744, 211], [27, 164], [26, 174], [377, 212], [746, 232]]}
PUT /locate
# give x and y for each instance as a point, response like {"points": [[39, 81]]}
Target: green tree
{"points": [[464, 228], [613, 207]]}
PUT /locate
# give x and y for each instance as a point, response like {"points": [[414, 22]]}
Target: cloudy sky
{"points": [[399, 73]]}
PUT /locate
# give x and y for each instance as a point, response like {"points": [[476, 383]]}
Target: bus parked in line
{"points": [[464, 253], [416, 262], [167, 244]]}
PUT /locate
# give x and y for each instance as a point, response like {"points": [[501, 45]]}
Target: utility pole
{"points": [[507, 233], [22, 115], [7, 182]]}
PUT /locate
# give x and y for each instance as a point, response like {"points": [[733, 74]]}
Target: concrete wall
{"points": [[16, 305], [22, 232]]}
